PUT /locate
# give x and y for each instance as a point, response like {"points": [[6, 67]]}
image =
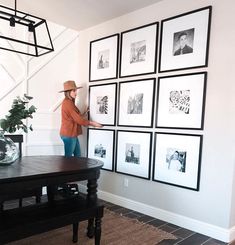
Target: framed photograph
{"points": [[181, 101], [103, 62], [185, 40], [177, 159], [101, 146], [139, 50], [133, 154], [102, 103], [136, 103]]}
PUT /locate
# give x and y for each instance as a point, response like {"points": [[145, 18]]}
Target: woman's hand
{"points": [[96, 124]]}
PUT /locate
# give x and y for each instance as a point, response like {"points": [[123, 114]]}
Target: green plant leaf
{"points": [[18, 112]]}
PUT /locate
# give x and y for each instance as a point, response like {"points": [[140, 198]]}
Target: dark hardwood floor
{"points": [[185, 237]]}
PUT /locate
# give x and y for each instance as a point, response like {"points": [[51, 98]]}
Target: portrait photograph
{"points": [[133, 153], [102, 103], [177, 159], [103, 62], [136, 102], [101, 146], [139, 50], [184, 41], [181, 101]]}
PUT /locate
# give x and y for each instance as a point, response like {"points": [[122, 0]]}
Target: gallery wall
{"points": [[208, 210]]}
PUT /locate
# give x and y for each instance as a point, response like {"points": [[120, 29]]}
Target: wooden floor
{"points": [[185, 237]]}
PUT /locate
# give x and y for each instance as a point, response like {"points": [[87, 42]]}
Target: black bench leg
{"points": [[90, 228], [20, 202], [75, 232], [1, 206], [38, 198], [97, 231]]}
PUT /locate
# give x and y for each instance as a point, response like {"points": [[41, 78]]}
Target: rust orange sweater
{"points": [[71, 119]]}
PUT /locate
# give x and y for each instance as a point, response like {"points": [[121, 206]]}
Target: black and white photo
{"points": [[181, 101], [177, 159], [100, 145], [103, 59], [136, 102], [102, 103], [133, 153], [139, 50], [103, 63], [100, 151], [184, 42]]}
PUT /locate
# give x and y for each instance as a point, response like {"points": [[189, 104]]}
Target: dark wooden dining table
{"points": [[50, 171]]}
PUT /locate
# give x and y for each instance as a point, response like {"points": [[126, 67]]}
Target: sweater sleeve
{"points": [[76, 115]]}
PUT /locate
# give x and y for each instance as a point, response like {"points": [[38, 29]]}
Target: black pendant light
{"points": [[24, 33]]}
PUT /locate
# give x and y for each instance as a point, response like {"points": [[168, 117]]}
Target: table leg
{"points": [[75, 232], [51, 190], [97, 231], [90, 228], [92, 191]]}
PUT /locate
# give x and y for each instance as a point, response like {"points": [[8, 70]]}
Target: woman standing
{"points": [[72, 120]]}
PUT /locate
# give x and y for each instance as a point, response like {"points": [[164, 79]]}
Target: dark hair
{"points": [[177, 152], [67, 94], [183, 33]]}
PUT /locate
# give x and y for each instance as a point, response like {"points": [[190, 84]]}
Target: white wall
{"points": [[210, 210], [41, 77]]}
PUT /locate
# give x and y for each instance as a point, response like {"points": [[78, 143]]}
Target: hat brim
{"points": [[69, 89]]}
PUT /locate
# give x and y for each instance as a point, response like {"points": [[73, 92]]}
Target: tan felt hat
{"points": [[69, 85]]}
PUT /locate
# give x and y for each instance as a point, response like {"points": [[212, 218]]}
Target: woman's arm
{"points": [[79, 119]]}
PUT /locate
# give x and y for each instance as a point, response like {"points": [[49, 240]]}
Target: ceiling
{"points": [[78, 14]]}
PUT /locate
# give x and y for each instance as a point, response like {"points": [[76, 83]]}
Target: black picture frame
{"points": [[177, 159], [103, 58], [191, 28], [101, 146], [102, 103], [181, 101], [136, 103], [138, 55], [133, 153]]}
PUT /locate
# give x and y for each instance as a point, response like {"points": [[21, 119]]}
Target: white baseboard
{"points": [[225, 235]]}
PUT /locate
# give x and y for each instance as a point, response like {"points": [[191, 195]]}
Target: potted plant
{"points": [[15, 120]]}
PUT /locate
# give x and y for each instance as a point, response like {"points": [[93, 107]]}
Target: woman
{"points": [[72, 120]]}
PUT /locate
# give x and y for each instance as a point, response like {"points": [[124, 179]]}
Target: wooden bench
{"points": [[22, 222]]}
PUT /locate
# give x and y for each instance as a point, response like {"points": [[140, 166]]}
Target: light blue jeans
{"points": [[71, 146]]}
